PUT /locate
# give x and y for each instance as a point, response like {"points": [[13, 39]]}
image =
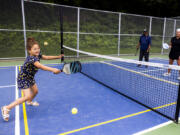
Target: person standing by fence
{"points": [[144, 44]]}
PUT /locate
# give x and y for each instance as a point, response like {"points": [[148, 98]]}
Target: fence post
{"points": [[24, 25], [150, 26], [78, 21], [174, 32], [164, 30], [119, 34]]}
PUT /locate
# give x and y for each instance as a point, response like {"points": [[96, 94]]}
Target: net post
{"points": [[24, 26], [177, 105], [61, 32], [119, 34]]}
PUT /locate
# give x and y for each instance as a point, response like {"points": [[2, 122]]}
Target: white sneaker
{"points": [[166, 74], [35, 103]]}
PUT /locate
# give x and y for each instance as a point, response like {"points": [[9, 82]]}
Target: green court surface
{"points": [[170, 129]]}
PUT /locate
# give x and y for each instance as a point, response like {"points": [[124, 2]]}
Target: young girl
{"points": [[25, 78]]}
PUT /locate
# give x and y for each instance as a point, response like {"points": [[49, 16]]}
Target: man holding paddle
{"points": [[144, 44], [174, 53]]}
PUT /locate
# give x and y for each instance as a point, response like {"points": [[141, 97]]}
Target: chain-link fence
{"points": [[103, 32]]}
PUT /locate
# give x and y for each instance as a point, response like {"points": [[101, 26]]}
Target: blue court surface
{"points": [[101, 111]]}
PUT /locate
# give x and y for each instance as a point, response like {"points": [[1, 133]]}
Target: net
{"points": [[146, 84]]}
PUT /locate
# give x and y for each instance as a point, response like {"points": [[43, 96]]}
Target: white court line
{"points": [[9, 66], [7, 86], [154, 128], [17, 121], [160, 59], [2, 67], [152, 70], [155, 58]]}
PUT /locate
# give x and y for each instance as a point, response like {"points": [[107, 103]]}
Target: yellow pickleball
{"points": [[45, 43], [74, 111]]}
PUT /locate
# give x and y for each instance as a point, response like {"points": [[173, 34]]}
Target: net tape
{"points": [[160, 65]]}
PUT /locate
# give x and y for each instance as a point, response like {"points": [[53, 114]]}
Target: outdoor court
{"points": [[101, 111]]}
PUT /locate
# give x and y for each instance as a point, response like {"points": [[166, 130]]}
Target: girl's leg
{"points": [[6, 109], [34, 92], [20, 100]]}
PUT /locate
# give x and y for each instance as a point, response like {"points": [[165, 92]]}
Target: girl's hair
{"points": [[30, 42]]}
